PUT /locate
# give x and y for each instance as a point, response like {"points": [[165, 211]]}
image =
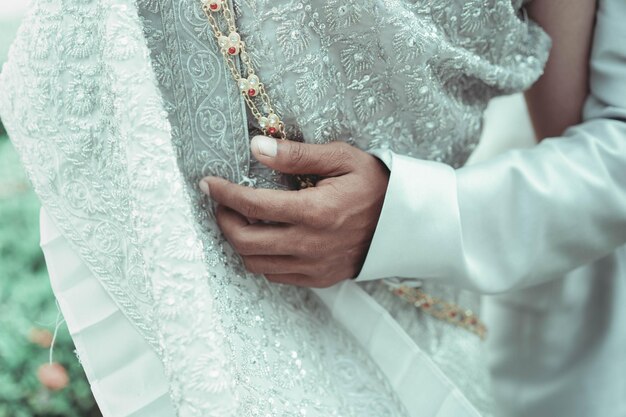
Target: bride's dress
{"points": [[118, 109]]}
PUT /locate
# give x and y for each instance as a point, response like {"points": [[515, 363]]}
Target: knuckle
{"points": [[326, 270], [299, 216], [297, 153], [299, 209], [316, 219], [343, 150], [234, 242], [341, 154], [323, 215], [300, 249], [313, 269], [316, 248], [239, 242], [250, 208], [246, 248], [319, 219]]}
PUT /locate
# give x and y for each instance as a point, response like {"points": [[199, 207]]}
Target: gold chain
{"points": [[441, 309], [251, 87]]}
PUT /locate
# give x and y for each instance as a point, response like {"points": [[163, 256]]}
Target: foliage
{"points": [[27, 308]]}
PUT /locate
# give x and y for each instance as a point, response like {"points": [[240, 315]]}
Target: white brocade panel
{"points": [[125, 374]]}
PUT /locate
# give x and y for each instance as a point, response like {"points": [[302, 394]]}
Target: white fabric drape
{"points": [[125, 373]]}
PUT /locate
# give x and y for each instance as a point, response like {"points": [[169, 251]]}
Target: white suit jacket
{"points": [[544, 227]]}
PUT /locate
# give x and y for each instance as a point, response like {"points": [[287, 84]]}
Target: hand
{"points": [[320, 235]]}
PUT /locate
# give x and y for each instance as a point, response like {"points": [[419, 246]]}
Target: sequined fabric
{"points": [[96, 93]]}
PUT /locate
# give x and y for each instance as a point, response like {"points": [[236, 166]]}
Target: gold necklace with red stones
{"points": [[440, 309], [254, 94], [251, 87]]}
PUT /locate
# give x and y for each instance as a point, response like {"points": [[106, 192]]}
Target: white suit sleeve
{"points": [[524, 217]]}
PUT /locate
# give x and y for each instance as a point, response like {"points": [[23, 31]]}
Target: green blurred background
{"points": [[28, 312]]}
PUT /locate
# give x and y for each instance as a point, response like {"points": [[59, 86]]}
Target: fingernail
{"points": [[204, 186], [266, 146]]}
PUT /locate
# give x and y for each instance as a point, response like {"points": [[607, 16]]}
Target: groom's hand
{"points": [[320, 235]]}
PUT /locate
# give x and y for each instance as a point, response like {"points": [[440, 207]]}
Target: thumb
{"points": [[328, 160]]}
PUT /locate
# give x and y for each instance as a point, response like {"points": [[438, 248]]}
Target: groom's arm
{"points": [[526, 216]]}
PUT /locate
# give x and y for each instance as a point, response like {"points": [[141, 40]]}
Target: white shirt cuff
{"points": [[409, 231]]}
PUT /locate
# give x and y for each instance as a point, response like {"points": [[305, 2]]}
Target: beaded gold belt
{"points": [[222, 22], [440, 308]]}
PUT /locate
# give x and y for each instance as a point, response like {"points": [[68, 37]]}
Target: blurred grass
{"points": [[27, 307]]}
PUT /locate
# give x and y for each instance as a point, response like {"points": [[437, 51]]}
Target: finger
{"points": [[299, 280], [256, 239], [328, 160], [229, 220], [277, 265], [270, 205]]}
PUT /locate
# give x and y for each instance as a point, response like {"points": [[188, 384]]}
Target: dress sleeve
{"points": [[527, 216]]}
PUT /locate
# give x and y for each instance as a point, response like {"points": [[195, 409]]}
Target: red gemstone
{"points": [[213, 6], [252, 92], [271, 130], [426, 305], [452, 314], [473, 321], [232, 50]]}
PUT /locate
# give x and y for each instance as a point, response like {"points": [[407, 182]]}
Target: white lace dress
{"points": [[118, 109]]}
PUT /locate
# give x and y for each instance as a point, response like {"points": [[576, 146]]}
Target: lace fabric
{"points": [[118, 110]]}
